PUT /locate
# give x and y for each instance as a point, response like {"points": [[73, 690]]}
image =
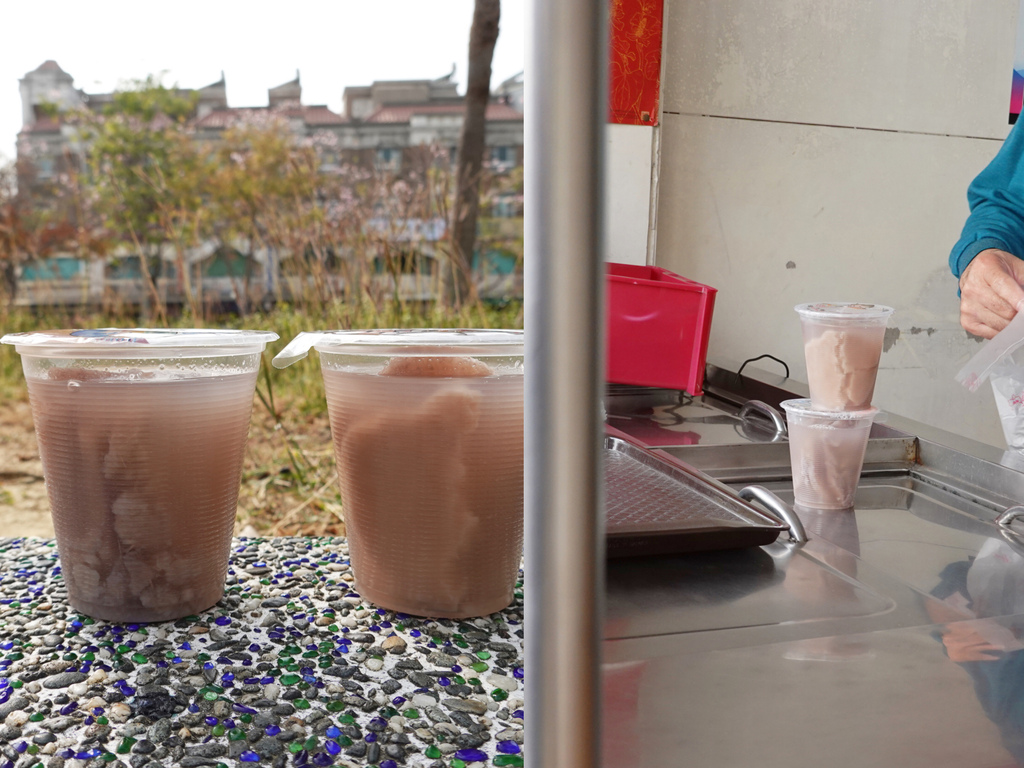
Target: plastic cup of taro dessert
{"points": [[142, 434], [842, 349], [427, 428], [826, 450]]}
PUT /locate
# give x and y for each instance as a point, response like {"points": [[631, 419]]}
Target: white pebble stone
{"points": [[502, 681], [98, 676], [78, 689], [272, 691], [347, 621], [397, 724], [94, 702], [374, 665], [446, 748], [465, 660], [119, 712], [362, 613], [16, 719], [34, 687], [420, 700], [48, 749]]}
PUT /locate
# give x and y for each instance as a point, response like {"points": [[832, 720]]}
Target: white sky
{"points": [[259, 44]]}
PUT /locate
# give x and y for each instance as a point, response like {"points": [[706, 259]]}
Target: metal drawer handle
{"points": [[757, 406], [1010, 514], [775, 505]]}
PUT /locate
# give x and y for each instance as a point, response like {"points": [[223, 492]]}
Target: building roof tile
{"points": [[311, 115], [402, 113]]}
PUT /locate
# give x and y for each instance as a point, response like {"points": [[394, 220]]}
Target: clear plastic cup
{"points": [[428, 436], [826, 451], [142, 434], [842, 347]]}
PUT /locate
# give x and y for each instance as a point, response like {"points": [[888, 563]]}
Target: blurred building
{"points": [[382, 123]]}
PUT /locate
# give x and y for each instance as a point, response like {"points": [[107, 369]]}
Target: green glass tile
{"points": [[516, 761]]}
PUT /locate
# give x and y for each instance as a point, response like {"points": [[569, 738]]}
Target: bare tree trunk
{"points": [[482, 36], [10, 280]]}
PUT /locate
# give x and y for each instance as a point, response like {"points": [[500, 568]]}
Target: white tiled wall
{"points": [[821, 151], [627, 192]]}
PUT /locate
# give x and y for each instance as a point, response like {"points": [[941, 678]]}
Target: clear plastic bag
{"points": [[1007, 376], [992, 352]]}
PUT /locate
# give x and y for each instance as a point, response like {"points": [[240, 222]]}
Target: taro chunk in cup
{"points": [[842, 347], [142, 434], [428, 436], [826, 450]]}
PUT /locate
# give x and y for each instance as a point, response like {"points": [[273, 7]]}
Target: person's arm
{"points": [[985, 258]]}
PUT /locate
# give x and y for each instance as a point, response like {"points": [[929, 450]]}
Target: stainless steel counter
{"points": [[891, 638]]}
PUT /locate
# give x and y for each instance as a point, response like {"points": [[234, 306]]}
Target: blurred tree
{"points": [[148, 174], [26, 232], [266, 191], [482, 37]]}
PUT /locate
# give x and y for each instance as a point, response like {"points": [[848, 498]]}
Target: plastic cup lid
{"points": [[130, 341], [436, 342], [844, 311], [803, 407]]}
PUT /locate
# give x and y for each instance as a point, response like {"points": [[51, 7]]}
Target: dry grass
{"points": [[289, 484]]}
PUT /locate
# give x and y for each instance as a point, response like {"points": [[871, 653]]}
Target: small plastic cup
{"points": [[428, 436], [142, 435], [842, 347], [826, 451]]}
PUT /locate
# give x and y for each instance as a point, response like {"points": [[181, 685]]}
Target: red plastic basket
{"points": [[658, 327]]}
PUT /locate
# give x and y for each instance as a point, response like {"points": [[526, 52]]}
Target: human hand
{"points": [[990, 290]]}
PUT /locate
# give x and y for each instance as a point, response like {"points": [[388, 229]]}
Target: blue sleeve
{"points": [[996, 200]]}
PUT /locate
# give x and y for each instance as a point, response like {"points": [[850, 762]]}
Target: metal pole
{"points": [[564, 288]]}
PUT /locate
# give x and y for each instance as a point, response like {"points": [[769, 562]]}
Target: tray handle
{"points": [[762, 408], [775, 505]]}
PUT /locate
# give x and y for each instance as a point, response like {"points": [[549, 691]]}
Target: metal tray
{"points": [[657, 505]]}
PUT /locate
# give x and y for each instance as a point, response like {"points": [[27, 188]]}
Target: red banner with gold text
{"points": [[635, 61]]}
